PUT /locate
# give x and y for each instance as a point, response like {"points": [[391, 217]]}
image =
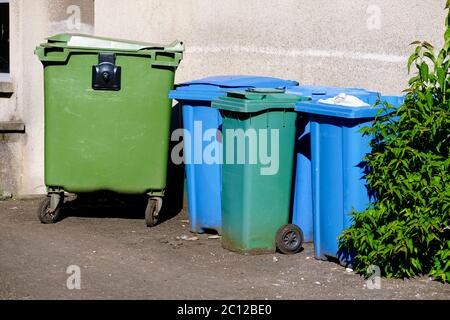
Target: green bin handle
{"points": [[61, 53], [266, 90]]}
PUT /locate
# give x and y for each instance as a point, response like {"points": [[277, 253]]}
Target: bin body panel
{"points": [[302, 214], [107, 140], [204, 182], [255, 206], [338, 182]]}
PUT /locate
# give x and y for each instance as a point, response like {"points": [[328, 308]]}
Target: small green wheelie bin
{"points": [[107, 118], [258, 132]]}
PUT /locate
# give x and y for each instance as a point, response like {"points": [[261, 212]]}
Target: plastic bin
{"points": [[338, 184], [302, 214], [256, 200], [204, 179], [107, 117]]}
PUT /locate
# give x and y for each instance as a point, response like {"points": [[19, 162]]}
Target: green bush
{"points": [[406, 230]]}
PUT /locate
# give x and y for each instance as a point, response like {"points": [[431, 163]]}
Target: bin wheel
{"points": [[47, 214], [289, 239], [152, 211]]}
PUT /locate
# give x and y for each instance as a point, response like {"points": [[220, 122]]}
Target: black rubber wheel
{"points": [[151, 218], [44, 213], [289, 239]]}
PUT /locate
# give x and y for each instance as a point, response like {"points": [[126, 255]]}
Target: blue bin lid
{"points": [[316, 107], [210, 88]]}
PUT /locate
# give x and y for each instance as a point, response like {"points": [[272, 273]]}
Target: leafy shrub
{"points": [[406, 230]]}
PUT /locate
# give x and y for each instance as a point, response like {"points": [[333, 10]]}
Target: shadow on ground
{"points": [[111, 205]]}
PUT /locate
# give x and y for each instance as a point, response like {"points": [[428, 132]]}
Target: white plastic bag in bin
{"points": [[346, 100]]}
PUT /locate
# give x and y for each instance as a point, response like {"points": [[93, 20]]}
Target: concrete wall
{"points": [[11, 144], [342, 42], [22, 155]]}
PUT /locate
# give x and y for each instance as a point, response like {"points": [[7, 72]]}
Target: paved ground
{"points": [[122, 259]]}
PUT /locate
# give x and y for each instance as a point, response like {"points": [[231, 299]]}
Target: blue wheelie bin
{"points": [[302, 213], [337, 152], [202, 123]]}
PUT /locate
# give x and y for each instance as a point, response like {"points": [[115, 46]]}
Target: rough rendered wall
{"points": [[22, 155], [10, 144], [339, 42]]}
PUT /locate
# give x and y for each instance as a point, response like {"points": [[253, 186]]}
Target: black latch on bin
{"points": [[106, 75]]}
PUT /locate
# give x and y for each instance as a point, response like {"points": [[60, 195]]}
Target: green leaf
{"points": [[447, 35], [430, 56], [428, 46], [413, 80], [411, 60], [423, 68]]}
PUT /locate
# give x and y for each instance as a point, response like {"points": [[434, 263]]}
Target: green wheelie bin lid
{"points": [[66, 40], [60, 46], [255, 100]]}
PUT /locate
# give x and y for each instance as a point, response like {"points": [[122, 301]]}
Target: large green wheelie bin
{"points": [[107, 118], [256, 193]]}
